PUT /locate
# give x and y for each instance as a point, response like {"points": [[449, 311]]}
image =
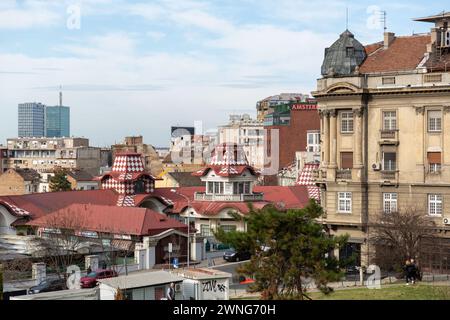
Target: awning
{"points": [[125, 245]]}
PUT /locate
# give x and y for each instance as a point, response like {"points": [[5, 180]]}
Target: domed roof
{"points": [[342, 58]]}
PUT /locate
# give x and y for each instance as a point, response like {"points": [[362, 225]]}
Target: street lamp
{"points": [[189, 224]]}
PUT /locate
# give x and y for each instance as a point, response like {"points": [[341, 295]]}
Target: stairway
{"points": [[10, 244]]}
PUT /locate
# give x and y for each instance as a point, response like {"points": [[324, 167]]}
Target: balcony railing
{"points": [[389, 175], [388, 134], [344, 174], [201, 196]]}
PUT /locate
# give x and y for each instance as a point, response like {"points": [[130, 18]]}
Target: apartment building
{"points": [[46, 154], [247, 132], [385, 122]]}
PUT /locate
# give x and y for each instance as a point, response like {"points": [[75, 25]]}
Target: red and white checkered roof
{"points": [[16, 210], [229, 154], [305, 178], [127, 163]]}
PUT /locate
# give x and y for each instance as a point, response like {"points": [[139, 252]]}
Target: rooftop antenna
{"points": [[346, 19], [60, 96], [383, 19]]}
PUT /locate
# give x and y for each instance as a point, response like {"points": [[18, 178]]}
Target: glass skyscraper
{"points": [[57, 122], [31, 120]]}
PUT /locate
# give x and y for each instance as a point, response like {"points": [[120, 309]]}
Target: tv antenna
{"points": [[383, 19]]}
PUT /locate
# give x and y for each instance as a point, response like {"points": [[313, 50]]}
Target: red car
{"points": [[90, 280]]}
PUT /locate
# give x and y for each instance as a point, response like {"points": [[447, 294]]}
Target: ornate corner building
{"points": [[385, 131]]}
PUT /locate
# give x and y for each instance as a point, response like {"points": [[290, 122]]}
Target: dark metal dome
{"points": [[342, 58]]}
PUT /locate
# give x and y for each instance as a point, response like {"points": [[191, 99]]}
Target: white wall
{"points": [[5, 222]]}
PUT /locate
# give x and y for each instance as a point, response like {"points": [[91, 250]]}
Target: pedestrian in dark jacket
{"points": [[409, 272]]}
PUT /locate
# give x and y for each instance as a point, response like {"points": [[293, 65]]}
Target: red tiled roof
{"points": [[293, 197], [371, 48], [404, 54], [110, 219], [40, 204]]}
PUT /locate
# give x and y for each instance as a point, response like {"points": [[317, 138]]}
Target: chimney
{"points": [[388, 39]]}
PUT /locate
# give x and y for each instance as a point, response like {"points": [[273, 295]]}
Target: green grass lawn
{"points": [[389, 292]]}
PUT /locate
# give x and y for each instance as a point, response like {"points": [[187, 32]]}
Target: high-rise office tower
{"points": [[31, 120], [57, 120]]}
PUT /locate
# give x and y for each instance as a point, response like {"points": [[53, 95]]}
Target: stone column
{"points": [[420, 112], [91, 261], [357, 142], [325, 116], [39, 272], [333, 139]]}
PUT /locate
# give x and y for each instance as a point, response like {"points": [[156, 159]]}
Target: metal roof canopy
{"points": [[142, 279]]}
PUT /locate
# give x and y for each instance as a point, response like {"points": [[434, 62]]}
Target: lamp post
{"points": [[189, 225]]}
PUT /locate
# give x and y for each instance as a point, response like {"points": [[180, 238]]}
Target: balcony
{"points": [[389, 177], [344, 174], [201, 196], [389, 137]]}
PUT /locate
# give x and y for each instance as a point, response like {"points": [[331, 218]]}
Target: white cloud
{"points": [[156, 35], [30, 14]]}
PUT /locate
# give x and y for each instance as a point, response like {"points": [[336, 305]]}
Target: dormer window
{"points": [[350, 52]]}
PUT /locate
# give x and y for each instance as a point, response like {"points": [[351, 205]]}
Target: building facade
{"points": [[57, 122], [266, 106], [290, 129], [46, 154], [384, 112], [135, 144], [247, 132], [31, 120]]}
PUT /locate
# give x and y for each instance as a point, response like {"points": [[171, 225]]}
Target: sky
{"points": [[135, 67]]}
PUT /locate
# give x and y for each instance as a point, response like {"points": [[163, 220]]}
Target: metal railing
{"points": [[388, 134], [344, 174], [201, 196]]}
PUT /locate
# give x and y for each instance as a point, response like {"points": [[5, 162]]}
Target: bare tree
{"points": [[60, 241], [400, 235]]}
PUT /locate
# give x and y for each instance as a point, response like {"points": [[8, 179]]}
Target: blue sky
{"points": [[139, 67]]}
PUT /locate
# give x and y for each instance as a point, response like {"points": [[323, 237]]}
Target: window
{"points": [[205, 230], [435, 204], [344, 202], [347, 122], [241, 187], [210, 187], [228, 227], [389, 161], [313, 141], [434, 121], [218, 187], [346, 160], [434, 162], [350, 52], [389, 202], [388, 80], [389, 120]]}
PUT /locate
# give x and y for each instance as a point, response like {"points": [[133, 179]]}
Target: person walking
{"points": [[408, 268], [415, 271], [171, 292]]}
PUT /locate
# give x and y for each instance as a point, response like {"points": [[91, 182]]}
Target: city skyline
{"points": [[130, 67]]}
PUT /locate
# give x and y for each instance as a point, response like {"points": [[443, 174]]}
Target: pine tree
{"points": [[59, 182], [289, 249]]}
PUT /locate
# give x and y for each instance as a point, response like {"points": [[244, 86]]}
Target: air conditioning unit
{"points": [[445, 42], [376, 166], [446, 221], [178, 287]]}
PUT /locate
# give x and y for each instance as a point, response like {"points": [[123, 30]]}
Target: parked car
{"points": [[48, 286], [91, 279], [236, 256]]}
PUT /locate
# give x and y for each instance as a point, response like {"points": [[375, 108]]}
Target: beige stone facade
{"points": [[385, 141]]}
